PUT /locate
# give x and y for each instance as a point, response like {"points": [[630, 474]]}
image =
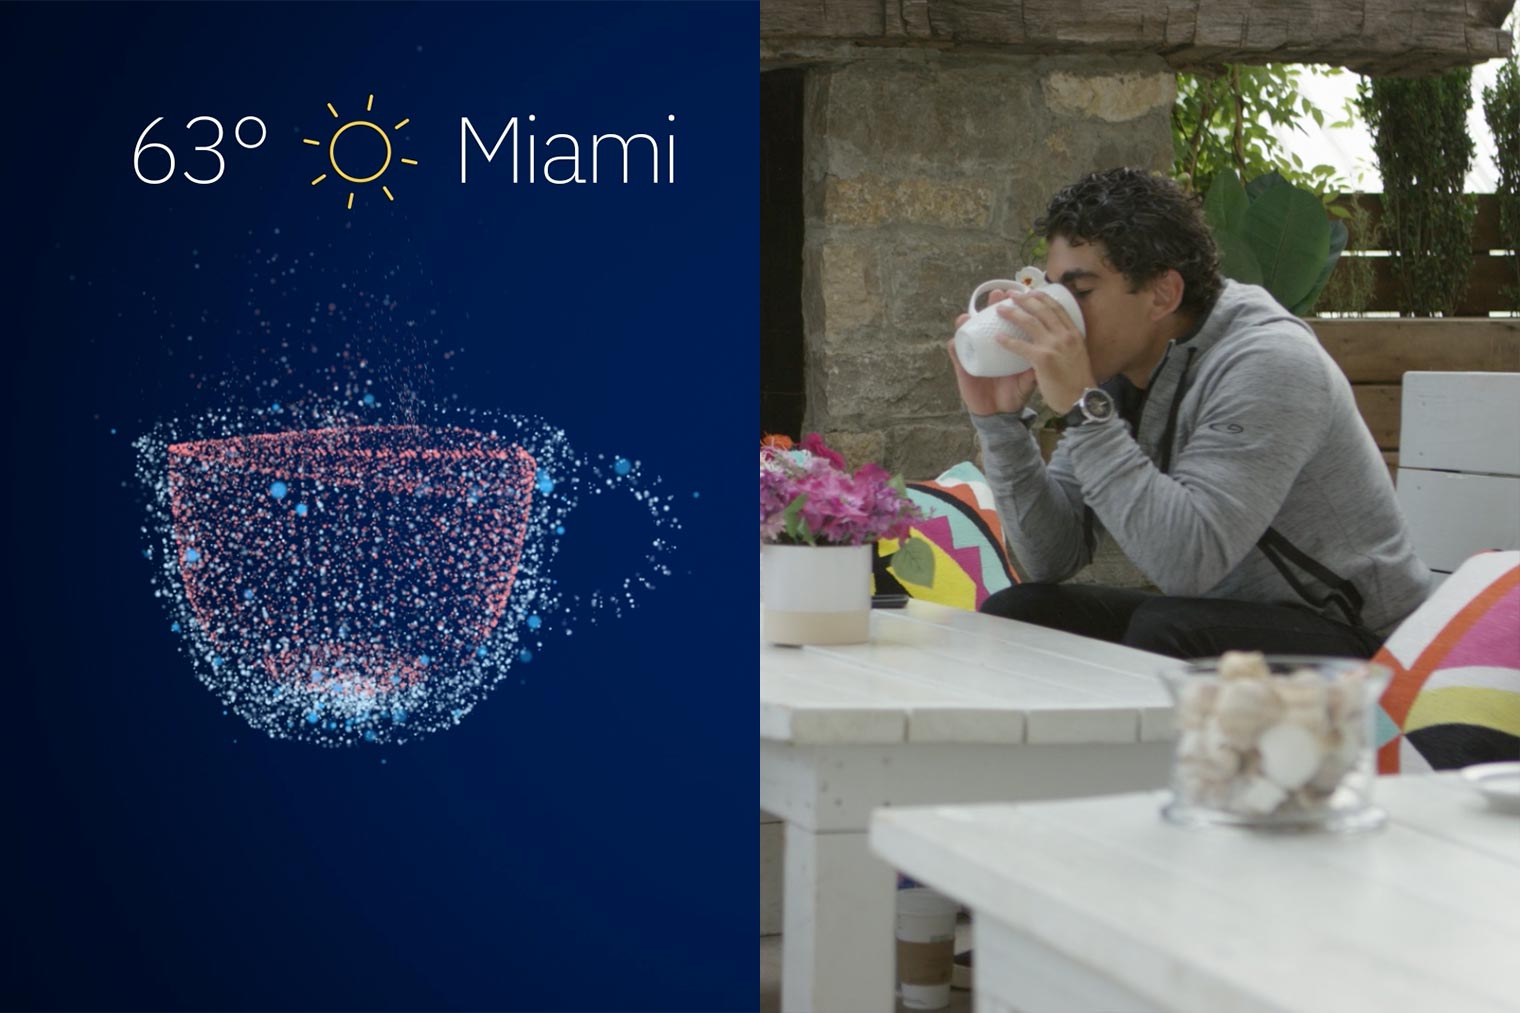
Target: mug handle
{"points": [[988, 286]]}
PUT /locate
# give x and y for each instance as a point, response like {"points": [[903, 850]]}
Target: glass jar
{"points": [[1275, 742]]}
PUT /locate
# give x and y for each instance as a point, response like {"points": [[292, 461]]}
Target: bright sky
{"points": [[1351, 150]]}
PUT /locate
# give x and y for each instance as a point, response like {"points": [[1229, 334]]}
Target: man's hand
{"points": [[1053, 347], [989, 395]]}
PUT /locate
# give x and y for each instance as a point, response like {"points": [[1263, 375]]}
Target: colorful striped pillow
{"points": [[1455, 695], [961, 527]]}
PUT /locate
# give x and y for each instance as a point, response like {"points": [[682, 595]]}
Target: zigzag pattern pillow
{"points": [[1455, 695], [962, 529]]}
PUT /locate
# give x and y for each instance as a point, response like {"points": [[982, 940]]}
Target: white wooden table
{"points": [[1097, 903], [942, 705]]}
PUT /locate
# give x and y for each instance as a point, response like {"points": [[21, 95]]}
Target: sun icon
{"points": [[332, 151]]}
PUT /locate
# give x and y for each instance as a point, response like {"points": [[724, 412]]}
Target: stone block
{"points": [[857, 448], [923, 451], [952, 113], [928, 282], [849, 292], [1112, 98], [871, 389], [883, 200]]}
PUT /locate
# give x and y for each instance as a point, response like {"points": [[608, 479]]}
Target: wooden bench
{"points": [[1375, 354], [1459, 464]]}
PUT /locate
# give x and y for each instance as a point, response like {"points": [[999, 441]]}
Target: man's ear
{"points": [[1166, 294]]}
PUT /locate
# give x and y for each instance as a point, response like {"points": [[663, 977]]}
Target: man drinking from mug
{"points": [[1208, 434]]}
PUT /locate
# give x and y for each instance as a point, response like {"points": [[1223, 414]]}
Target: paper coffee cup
{"points": [[925, 947]]}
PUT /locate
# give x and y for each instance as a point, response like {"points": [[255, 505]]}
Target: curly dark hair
{"points": [[1146, 223]]}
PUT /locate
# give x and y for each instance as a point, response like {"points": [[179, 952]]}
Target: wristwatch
{"points": [[1094, 405]]}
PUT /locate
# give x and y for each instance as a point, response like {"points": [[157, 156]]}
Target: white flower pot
{"points": [[815, 594]]}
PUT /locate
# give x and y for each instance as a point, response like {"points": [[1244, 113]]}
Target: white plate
{"points": [[1499, 783]]}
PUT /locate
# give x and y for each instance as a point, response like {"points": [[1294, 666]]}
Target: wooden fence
{"points": [[1374, 354], [1490, 273]]}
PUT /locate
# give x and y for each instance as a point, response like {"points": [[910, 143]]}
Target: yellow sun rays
{"points": [[332, 155]]}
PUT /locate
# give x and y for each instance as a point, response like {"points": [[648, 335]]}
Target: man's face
{"points": [[1120, 331]]}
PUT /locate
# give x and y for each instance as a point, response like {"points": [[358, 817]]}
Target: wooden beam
{"points": [[1400, 37], [1379, 404], [1382, 351]]}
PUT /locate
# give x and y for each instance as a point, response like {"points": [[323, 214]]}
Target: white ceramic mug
{"points": [[976, 342]]}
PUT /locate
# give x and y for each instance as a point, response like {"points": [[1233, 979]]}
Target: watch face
{"points": [[1097, 405]]}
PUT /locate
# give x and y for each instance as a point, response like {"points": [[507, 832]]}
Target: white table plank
{"points": [[1111, 670], [1451, 809], [948, 681], [1224, 919], [796, 708], [928, 711], [1075, 714]]}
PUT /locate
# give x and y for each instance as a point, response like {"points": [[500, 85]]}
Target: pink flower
{"points": [[813, 444], [806, 496]]}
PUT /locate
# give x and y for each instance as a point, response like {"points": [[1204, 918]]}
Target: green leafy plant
{"points": [[1274, 234], [1419, 133], [1501, 108], [1222, 123], [1353, 282]]}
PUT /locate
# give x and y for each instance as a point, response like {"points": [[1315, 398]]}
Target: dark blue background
{"points": [[585, 839]]}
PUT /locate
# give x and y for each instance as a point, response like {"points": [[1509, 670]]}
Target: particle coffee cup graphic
{"points": [[369, 583], [360, 557]]}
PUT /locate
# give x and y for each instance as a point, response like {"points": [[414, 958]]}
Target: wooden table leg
{"points": [[838, 951]]}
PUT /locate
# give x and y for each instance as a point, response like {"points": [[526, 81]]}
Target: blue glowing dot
{"points": [[559, 529], [696, 495], [216, 662], [275, 407], [312, 717], [398, 715], [524, 655], [383, 761], [395, 680], [147, 553], [113, 431], [277, 489], [174, 627], [480, 652], [369, 735], [192, 556], [248, 594], [621, 466], [224, 712], [534, 622], [424, 661], [300, 509], [369, 400], [545, 484]]}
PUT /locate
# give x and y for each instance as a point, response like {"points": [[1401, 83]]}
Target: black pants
{"points": [[1179, 627]]}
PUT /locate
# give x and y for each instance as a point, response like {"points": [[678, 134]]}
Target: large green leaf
{"points": [[1226, 203], [1236, 259], [1338, 237], [1266, 181], [913, 562], [1289, 232]]}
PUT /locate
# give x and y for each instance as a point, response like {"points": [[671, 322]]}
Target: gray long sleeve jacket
{"points": [[1269, 479]]}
